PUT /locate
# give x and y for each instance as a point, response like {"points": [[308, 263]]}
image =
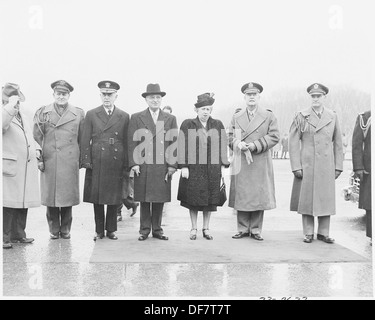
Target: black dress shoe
{"points": [[326, 239], [22, 240], [99, 236], [53, 236], [142, 237], [160, 236], [240, 235], [7, 245], [135, 207], [256, 236], [112, 236], [308, 238], [65, 236]]}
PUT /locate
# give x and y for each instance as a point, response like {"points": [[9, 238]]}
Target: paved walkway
{"points": [[62, 268]]}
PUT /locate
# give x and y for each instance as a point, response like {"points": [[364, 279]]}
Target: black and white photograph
{"points": [[186, 154]]}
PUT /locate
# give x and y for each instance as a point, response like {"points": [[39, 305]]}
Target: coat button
{"points": [[103, 149], [115, 150], [146, 131], [115, 158], [116, 133]]}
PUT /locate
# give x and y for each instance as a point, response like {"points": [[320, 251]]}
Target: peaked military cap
{"points": [[62, 86], [108, 86], [251, 87], [317, 88]]}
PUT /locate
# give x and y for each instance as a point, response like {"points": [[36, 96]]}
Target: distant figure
{"points": [[345, 142], [167, 109], [284, 146], [275, 151], [361, 155]]}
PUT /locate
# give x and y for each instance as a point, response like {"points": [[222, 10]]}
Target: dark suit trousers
{"points": [[109, 220], [14, 223], [151, 215], [59, 220]]}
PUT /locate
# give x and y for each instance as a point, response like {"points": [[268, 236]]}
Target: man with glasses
{"points": [[104, 155], [57, 129], [316, 157], [152, 162]]}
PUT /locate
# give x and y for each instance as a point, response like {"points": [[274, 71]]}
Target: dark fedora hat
{"points": [[12, 89], [153, 88], [205, 99]]}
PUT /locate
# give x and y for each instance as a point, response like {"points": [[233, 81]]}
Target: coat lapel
{"points": [[70, 114], [115, 117], [327, 118], [102, 115], [310, 116], [164, 118], [248, 127], [146, 118]]}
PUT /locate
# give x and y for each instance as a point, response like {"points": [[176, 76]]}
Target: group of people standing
{"points": [[134, 158]]}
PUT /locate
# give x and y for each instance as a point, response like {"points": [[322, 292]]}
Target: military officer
{"points": [[316, 158], [361, 157], [252, 134], [152, 161], [104, 155], [57, 129]]}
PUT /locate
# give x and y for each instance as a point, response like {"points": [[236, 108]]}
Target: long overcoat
{"points": [[20, 169], [361, 155], [203, 153], [315, 147], [59, 139], [104, 146], [154, 149], [252, 185]]}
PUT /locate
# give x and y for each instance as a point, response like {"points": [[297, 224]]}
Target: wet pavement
{"points": [[62, 268]]}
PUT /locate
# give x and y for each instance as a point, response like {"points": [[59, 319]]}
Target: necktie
{"points": [[109, 112], [18, 117], [155, 117], [319, 115]]}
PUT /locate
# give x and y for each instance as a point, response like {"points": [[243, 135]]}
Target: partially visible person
{"points": [[57, 128], [361, 158], [275, 151], [345, 143], [316, 158], [201, 164], [127, 196], [20, 167], [167, 109], [104, 155], [284, 145]]}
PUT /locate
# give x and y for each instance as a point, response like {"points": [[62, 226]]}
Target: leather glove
{"points": [[41, 166], [251, 146], [242, 146], [337, 173], [170, 173], [359, 174], [185, 173], [135, 171], [298, 174]]}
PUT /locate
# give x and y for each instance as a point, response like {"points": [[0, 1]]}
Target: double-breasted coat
{"points": [[59, 138], [203, 152], [104, 146], [315, 147], [20, 169], [252, 185], [154, 149], [361, 155]]}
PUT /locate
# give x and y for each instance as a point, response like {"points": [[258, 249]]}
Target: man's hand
{"points": [[337, 174], [242, 146], [185, 173], [298, 174], [87, 165], [41, 166], [359, 174], [251, 146], [136, 170], [170, 173]]}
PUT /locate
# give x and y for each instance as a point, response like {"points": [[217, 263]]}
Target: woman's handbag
{"points": [[223, 193]]}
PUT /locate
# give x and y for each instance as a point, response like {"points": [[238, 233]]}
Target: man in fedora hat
{"points": [[151, 133], [20, 169], [57, 128], [253, 133], [104, 155], [316, 158]]}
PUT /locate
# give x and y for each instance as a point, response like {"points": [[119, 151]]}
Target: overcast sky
{"points": [[188, 47]]}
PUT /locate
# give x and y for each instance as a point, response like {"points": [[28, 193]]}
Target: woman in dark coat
{"points": [[202, 154]]}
